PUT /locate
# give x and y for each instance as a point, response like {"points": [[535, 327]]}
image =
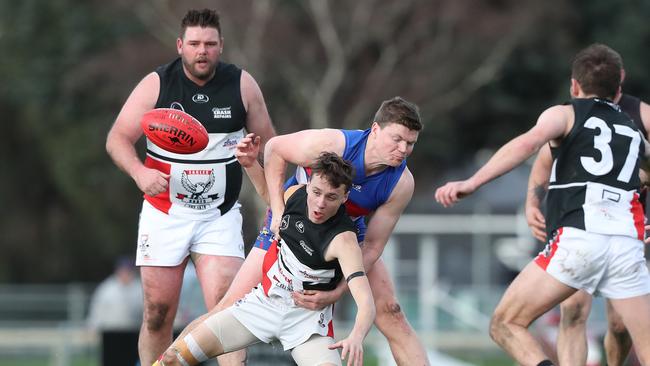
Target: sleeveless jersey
{"points": [[631, 106], [206, 184], [298, 262], [594, 183], [367, 192]]}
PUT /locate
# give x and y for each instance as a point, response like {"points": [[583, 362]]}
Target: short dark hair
{"points": [[202, 18], [597, 69], [400, 111], [334, 170]]}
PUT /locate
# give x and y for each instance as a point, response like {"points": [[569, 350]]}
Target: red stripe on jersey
{"points": [[544, 257], [354, 210], [160, 201], [638, 216], [270, 258]]}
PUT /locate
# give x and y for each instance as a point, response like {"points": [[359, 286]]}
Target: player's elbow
{"points": [[529, 144], [110, 143], [270, 149]]}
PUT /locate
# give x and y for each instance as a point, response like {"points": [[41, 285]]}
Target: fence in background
{"points": [[449, 272]]}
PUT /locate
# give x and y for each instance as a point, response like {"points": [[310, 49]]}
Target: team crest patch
{"points": [[197, 184], [284, 224], [300, 227]]}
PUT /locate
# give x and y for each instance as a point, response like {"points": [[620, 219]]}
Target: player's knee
{"points": [[573, 313], [390, 311], [169, 358], [497, 326], [617, 328], [500, 323], [155, 316]]}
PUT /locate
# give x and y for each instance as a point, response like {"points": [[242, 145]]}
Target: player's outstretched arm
{"points": [[553, 123], [537, 188], [383, 221], [126, 131], [300, 148], [345, 247]]}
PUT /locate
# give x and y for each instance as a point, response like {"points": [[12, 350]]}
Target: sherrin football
{"points": [[174, 130]]}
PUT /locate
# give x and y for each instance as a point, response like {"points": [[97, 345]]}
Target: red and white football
{"points": [[174, 130]]}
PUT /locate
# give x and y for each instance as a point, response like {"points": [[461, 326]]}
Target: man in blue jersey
{"points": [[382, 186]]}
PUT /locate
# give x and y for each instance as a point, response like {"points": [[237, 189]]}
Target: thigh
{"points": [[215, 274], [578, 305], [635, 313], [248, 276], [161, 287], [221, 236], [532, 293], [230, 332], [315, 352]]}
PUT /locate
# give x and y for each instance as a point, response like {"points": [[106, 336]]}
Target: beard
{"points": [[203, 74]]}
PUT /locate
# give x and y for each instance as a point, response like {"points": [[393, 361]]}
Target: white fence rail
{"points": [[446, 269]]}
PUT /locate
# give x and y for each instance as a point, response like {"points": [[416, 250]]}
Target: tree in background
{"points": [[480, 71]]}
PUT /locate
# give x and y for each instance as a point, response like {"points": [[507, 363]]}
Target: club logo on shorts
{"points": [[300, 227], [284, 224], [143, 246], [321, 321]]}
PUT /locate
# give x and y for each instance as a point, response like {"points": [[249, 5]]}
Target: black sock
{"points": [[545, 363]]}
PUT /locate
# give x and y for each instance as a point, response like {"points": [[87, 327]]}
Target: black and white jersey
{"points": [[206, 184], [631, 106], [594, 183], [298, 262]]}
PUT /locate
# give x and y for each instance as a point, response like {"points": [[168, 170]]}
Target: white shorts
{"points": [[609, 265], [277, 318], [165, 240]]}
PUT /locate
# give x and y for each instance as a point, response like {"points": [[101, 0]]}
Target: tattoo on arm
{"points": [[540, 192]]}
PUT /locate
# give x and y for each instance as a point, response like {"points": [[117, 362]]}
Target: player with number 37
{"points": [[594, 216]]}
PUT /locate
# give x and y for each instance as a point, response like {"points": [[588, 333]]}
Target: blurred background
{"points": [[481, 72]]}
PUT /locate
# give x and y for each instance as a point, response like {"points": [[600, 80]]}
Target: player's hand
{"points": [[275, 224], [247, 150], [151, 181], [536, 221], [352, 347], [314, 299], [453, 192]]}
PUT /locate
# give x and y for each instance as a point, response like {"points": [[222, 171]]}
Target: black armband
{"points": [[355, 274]]}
